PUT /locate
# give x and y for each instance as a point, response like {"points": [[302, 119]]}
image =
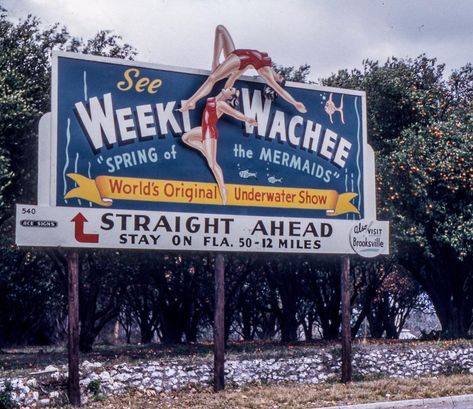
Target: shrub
{"points": [[6, 401]]}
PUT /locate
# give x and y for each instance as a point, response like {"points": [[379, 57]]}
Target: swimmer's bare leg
{"points": [[232, 79], [223, 42], [210, 147], [193, 138], [228, 66], [268, 75]]}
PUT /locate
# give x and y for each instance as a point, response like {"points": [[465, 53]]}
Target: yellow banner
{"points": [[104, 189]]}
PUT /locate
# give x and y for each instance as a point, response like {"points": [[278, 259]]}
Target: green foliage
{"points": [[31, 298], [32, 283], [25, 70], [293, 74], [95, 388], [433, 166], [400, 93], [6, 401], [420, 126]]}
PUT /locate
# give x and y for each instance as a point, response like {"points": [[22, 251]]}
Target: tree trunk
{"points": [[289, 327], [171, 329], [246, 324], [331, 326], [452, 317], [308, 325], [146, 332], [86, 339], [268, 326], [448, 282], [192, 329]]}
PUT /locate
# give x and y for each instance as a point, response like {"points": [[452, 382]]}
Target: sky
{"points": [[326, 34]]}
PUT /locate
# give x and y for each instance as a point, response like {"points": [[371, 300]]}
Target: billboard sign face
{"points": [[160, 145], [119, 141]]}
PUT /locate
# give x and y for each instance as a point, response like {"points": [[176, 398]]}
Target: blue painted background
{"points": [[79, 80]]}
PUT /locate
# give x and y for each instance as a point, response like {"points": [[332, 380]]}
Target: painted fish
{"points": [[245, 174], [274, 179]]}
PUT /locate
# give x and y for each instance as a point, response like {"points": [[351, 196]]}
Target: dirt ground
{"points": [[294, 396]]}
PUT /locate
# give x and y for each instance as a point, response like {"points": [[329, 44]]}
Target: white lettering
{"points": [[254, 109], [100, 124]]}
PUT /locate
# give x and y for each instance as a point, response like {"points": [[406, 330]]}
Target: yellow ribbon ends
{"points": [[104, 189], [343, 205], [87, 189]]}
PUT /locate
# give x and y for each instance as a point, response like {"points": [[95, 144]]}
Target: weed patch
{"points": [[6, 401]]}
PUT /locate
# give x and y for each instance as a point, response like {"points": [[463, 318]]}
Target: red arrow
{"points": [[79, 221]]}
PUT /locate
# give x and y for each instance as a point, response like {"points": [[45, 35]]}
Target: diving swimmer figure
{"points": [[204, 137], [235, 63]]}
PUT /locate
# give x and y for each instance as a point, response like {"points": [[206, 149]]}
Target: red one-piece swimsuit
{"points": [[209, 120], [255, 58]]}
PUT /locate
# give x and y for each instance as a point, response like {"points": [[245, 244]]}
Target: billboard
{"points": [[118, 142], [133, 138]]}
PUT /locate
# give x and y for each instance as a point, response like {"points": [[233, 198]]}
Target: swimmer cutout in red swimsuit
{"points": [[209, 120], [255, 58], [231, 68]]}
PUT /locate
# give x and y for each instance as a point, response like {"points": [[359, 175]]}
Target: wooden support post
{"points": [[73, 328], [219, 324], [346, 328]]}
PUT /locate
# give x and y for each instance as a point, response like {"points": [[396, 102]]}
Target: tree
{"points": [[24, 97], [249, 298], [25, 76], [321, 284], [183, 301], [368, 278], [100, 293], [283, 278], [421, 128], [394, 300], [141, 297], [31, 299], [293, 74], [436, 217]]}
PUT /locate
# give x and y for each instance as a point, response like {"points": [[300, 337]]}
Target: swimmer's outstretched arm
{"points": [[227, 109], [268, 75]]}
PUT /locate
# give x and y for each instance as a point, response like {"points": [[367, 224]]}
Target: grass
{"points": [[295, 396], [15, 361], [21, 361]]}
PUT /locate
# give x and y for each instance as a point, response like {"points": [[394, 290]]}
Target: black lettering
{"points": [[260, 227], [192, 228], [141, 221], [107, 220], [162, 222], [294, 228], [327, 230]]}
